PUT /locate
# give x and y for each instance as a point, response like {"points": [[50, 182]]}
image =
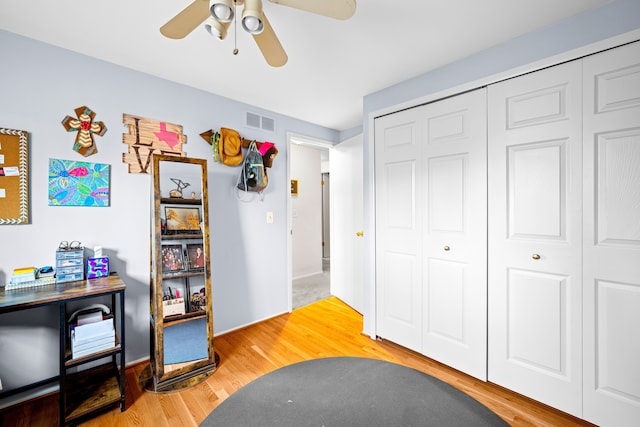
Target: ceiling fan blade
{"points": [[270, 46], [338, 9], [186, 21]]}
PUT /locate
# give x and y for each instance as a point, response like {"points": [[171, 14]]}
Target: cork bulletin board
{"points": [[14, 178]]}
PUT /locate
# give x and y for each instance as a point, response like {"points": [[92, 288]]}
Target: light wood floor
{"points": [[323, 329]]}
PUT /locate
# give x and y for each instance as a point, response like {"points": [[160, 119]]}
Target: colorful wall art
{"points": [[73, 183]]}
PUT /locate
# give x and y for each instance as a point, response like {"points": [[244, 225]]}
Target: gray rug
{"points": [[349, 391]]}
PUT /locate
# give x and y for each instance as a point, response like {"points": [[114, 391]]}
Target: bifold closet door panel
{"points": [[454, 240], [535, 229], [430, 172], [398, 229], [612, 237]]}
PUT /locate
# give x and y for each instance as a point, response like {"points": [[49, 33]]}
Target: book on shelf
{"points": [[24, 274], [92, 331], [81, 348], [24, 270]]}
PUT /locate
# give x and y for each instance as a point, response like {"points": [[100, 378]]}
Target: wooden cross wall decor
{"points": [[85, 126], [148, 136]]}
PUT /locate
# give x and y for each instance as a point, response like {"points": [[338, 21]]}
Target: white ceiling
{"points": [[332, 64]]}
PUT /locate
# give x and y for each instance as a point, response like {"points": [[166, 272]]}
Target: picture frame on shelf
{"points": [[182, 220], [172, 258], [198, 300], [195, 256]]}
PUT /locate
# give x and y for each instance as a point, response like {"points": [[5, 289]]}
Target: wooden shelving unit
{"points": [[100, 386], [180, 273]]}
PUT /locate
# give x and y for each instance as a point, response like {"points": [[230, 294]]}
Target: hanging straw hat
{"points": [[230, 147]]}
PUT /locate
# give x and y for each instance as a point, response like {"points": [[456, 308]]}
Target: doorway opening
{"points": [[309, 213]]}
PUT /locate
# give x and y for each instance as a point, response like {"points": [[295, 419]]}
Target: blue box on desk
{"points": [[69, 265]]}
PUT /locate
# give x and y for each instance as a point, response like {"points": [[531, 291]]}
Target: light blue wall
{"points": [[40, 85], [612, 19]]}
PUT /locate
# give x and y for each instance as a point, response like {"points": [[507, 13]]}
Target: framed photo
{"points": [[198, 299], [195, 254], [182, 220], [172, 259]]}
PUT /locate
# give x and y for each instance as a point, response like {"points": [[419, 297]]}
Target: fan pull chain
{"points": [[235, 30]]}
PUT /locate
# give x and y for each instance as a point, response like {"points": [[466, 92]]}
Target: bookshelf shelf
{"points": [[70, 361], [83, 388]]}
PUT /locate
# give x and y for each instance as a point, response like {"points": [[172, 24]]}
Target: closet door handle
{"points": [[535, 256]]}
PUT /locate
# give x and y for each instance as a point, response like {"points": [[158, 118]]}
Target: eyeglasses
{"points": [[70, 245]]}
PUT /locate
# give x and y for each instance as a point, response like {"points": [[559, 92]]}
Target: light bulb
{"points": [[222, 12], [251, 23], [216, 29]]}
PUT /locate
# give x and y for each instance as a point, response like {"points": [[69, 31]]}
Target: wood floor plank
{"points": [[323, 329]]}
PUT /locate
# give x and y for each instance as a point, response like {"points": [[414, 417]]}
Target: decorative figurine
{"points": [[177, 193]]}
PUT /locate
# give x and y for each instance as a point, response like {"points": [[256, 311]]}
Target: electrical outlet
{"points": [[269, 217]]}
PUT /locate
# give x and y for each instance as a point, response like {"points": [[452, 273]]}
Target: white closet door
{"points": [[612, 237], [431, 230], [454, 241], [535, 228], [398, 229]]}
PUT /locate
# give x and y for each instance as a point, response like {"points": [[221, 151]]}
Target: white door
{"points": [[398, 202], [430, 173], [454, 238], [612, 237], [535, 229], [347, 262]]}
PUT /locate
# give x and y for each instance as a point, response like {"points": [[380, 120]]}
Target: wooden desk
{"points": [[88, 391]]}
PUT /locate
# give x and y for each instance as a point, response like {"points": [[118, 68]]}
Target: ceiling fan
{"points": [[219, 14]]}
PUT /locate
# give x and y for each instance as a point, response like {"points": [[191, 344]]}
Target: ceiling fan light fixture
{"points": [[252, 17], [222, 10], [216, 29]]}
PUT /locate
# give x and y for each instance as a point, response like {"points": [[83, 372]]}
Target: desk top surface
{"points": [[17, 299]]}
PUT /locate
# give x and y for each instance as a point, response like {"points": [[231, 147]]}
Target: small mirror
{"points": [[181, 311]]}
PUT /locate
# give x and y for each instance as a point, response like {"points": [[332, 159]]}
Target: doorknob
{"points": [[360, 233]]}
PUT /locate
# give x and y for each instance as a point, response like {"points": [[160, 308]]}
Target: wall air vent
{"points": [[253, 120], [268, 124], [257, 121]]}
